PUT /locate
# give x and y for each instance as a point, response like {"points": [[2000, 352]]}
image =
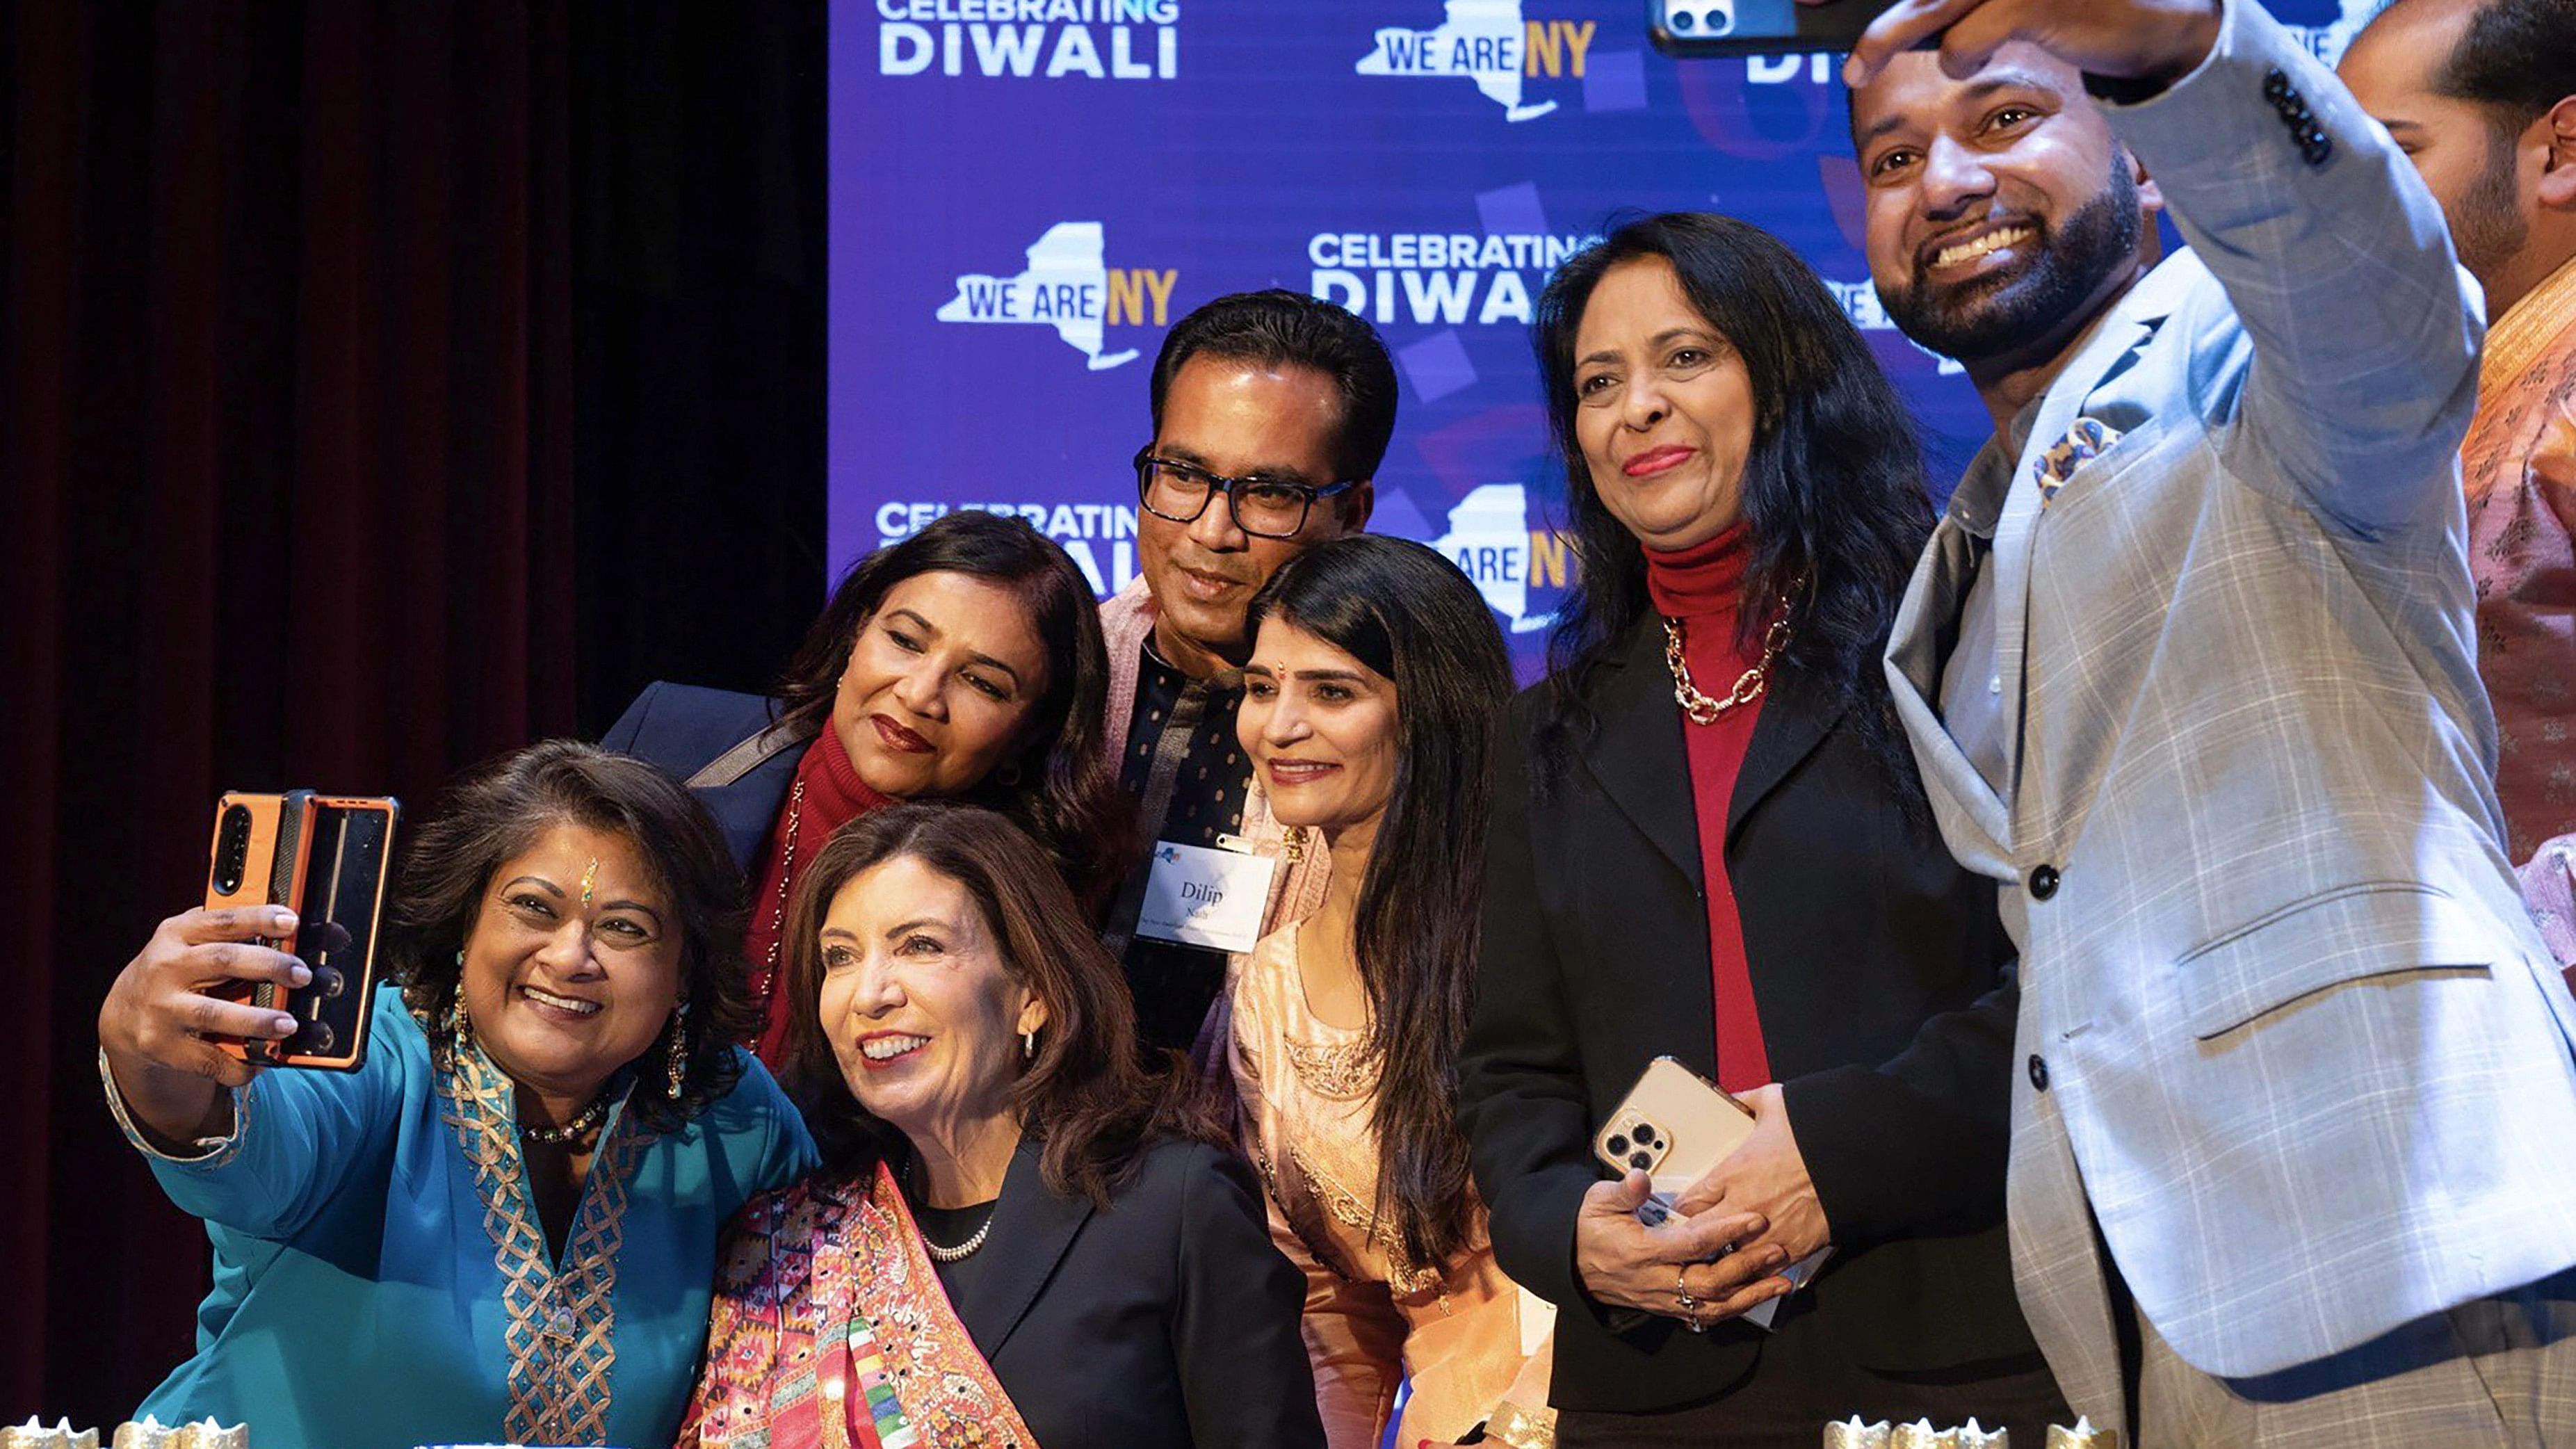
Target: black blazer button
{"points": [[2038, 1073], [2043, 884]]}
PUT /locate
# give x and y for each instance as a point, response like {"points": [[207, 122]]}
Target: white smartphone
{"points": [[1674, 1125]]}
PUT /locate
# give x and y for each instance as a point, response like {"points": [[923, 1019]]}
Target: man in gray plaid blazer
{"points": [[2188, 665]]}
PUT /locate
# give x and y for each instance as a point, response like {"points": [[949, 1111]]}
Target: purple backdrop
{"points": [[1025, 193]]}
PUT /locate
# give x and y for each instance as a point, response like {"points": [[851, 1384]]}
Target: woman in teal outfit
{"points": [[502, 1227]]}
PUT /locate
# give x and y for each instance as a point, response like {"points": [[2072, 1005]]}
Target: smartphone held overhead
{"points": [[325, 858], [1757, 27]]}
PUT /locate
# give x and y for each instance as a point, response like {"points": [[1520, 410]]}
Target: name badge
{"points": [[1203, 897]]}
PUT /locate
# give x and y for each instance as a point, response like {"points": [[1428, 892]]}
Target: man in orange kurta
{"points": [[2482, 95]]}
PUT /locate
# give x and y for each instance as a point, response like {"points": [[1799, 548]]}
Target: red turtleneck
{"points": [[1701, 586], [834, 795]]}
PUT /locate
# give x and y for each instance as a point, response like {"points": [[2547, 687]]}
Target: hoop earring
{"points": [[1028, 1046], [675, 1052], [1008, 776]]}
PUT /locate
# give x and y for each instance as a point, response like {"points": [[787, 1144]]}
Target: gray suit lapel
{"points": [[1926, 627], [2113, 343]]}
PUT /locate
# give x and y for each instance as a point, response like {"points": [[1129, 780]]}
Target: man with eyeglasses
{"points": [[1271, 412]]}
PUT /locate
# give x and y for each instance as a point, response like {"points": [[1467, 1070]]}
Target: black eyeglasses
{"points": [[1263, 507]]}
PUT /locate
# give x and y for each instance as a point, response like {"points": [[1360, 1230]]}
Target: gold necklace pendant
{"points": [[1701, 709]]}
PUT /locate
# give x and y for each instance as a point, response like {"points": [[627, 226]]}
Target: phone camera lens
{"points": [[1684, 20], [1640, 1161], [316, 1037], [232, 850], [328, 981], [1618, 1145], [1644, 1132]]}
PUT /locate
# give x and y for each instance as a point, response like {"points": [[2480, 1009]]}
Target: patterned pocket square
{"points": [[2089, 438]]}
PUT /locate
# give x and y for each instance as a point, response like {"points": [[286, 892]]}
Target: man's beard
{"points": [[2008, 311], [2486, 224]]}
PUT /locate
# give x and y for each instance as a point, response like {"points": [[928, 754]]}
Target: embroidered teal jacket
{"points": [[381, 1277]]}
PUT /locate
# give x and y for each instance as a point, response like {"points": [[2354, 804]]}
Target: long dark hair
{"points": [[1062, 789], [498, 811], [1833, 486], [1089, 1094], [1409, 614]]}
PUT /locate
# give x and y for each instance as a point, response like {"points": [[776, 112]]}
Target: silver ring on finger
{"points": [[1682, 1296]]}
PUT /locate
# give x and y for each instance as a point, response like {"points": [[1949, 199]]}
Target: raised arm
{"points": [[2365, 333], [259, 1151]]}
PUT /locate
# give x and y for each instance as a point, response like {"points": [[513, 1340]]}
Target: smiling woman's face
{"points": [[1321, 728], [920, 1006], [572, 967], [1664, 408], [942, 683]]}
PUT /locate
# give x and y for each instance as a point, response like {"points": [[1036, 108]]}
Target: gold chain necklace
{"points": [[768, 983], [1700, 708]]}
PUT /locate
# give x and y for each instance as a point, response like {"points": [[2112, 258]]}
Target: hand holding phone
{"points": [[184, 992], [1663, 1137], [325, 858], [1682, 1268], [1675, 1126]]}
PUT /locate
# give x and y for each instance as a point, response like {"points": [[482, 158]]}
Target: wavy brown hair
{"points": [[496, 813], [1093, 1099], [1060, 787]]}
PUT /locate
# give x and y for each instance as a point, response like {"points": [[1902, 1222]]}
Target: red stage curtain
{"points": [[285, 437]]}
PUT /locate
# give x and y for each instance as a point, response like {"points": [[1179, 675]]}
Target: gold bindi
{"points": [[589, 881]]}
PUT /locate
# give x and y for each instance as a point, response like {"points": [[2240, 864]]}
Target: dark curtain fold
{"points": [[309, 479]]}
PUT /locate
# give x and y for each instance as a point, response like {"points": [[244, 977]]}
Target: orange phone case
{"points": [[257, 858], [327, 858]]}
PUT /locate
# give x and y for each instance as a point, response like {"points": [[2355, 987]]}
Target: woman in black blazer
{"points": [[1709, 843], [1019, 1235]]}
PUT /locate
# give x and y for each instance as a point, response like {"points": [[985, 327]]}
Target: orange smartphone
{"points": [[1674, 1125], [326, 858]]}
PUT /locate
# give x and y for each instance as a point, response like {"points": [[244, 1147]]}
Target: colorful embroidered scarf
{"points": [[831, 1331]]}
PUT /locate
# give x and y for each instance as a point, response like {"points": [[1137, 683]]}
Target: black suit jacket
{"points": [[1167, 1320], [683, 729], [1884, 985]]}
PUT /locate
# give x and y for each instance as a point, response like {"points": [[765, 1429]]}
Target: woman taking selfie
{"points": [[1369, 707], [1019, 1236], [1709, 843], [963, 663], [501, 1227]]}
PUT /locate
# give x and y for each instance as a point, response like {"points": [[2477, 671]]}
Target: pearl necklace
{"points": [[965, 1249], [962, 1251]]}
